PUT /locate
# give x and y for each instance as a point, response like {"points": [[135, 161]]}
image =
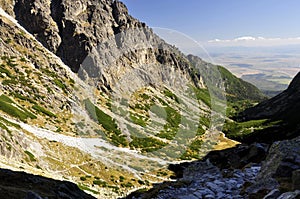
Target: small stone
{"points": [[237, 197], [209, 197], [220, 183], [227, 196], [228, 191], [232, 184], [220, 195], [198, 194], [215, 188], [272, 194], [190, 196], [32, 195], [290, 195], [203, 192]]}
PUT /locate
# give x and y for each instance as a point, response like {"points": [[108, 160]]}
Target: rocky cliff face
{"points": [[84, 30], [81, 32], [279, 172]]}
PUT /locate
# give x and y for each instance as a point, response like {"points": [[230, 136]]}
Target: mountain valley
{"points": [[96, 104]]}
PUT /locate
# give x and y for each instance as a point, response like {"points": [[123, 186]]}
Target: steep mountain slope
{"points": [[37, 93], [236, 89], [282, 109], [133, 105]]}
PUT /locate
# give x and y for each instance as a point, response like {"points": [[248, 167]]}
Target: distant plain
{"points": [[269, 68]]}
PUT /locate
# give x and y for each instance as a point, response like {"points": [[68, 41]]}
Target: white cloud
{"points": [[247, 38], [255, 41]]}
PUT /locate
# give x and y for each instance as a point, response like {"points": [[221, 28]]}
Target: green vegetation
{"points": [[9, 82], [161, 173], [4, 98], [173, 117], [121, 178], [236, 130], [203, 95], [43, 110], [85, 188], [233, 108], [4, 70], [193, 150], [30, 155], [100, 183], [9, 123], [139, 111], [204, 120], [10, 61], [8, 41], [24, 98], [171, 95], [127, 185], [8, 106], [200, 131], [237, 89], [138, 119], [4, 127], [23, 59], [147, 144], [165, 111], [51, 74], [60, 84], [112, 130], [171, 127], [144, 96]]}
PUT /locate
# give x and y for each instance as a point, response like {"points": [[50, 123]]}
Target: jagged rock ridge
{"points": [[79, 33]]}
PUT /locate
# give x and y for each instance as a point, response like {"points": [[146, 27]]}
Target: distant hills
{"points": [[270, 68], [282, 109]]}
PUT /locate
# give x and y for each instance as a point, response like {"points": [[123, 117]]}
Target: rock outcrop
{"points": [[279, 171], [41, 25], [250, 175], [74, 30]]}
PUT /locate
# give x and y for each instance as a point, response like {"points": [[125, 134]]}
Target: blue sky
{"points": [[225, 20]]}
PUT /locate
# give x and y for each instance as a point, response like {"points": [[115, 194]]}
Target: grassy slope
{"points": [[238, 89]]}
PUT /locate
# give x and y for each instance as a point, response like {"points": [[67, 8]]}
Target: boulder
{"points": [[273, 194]]}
